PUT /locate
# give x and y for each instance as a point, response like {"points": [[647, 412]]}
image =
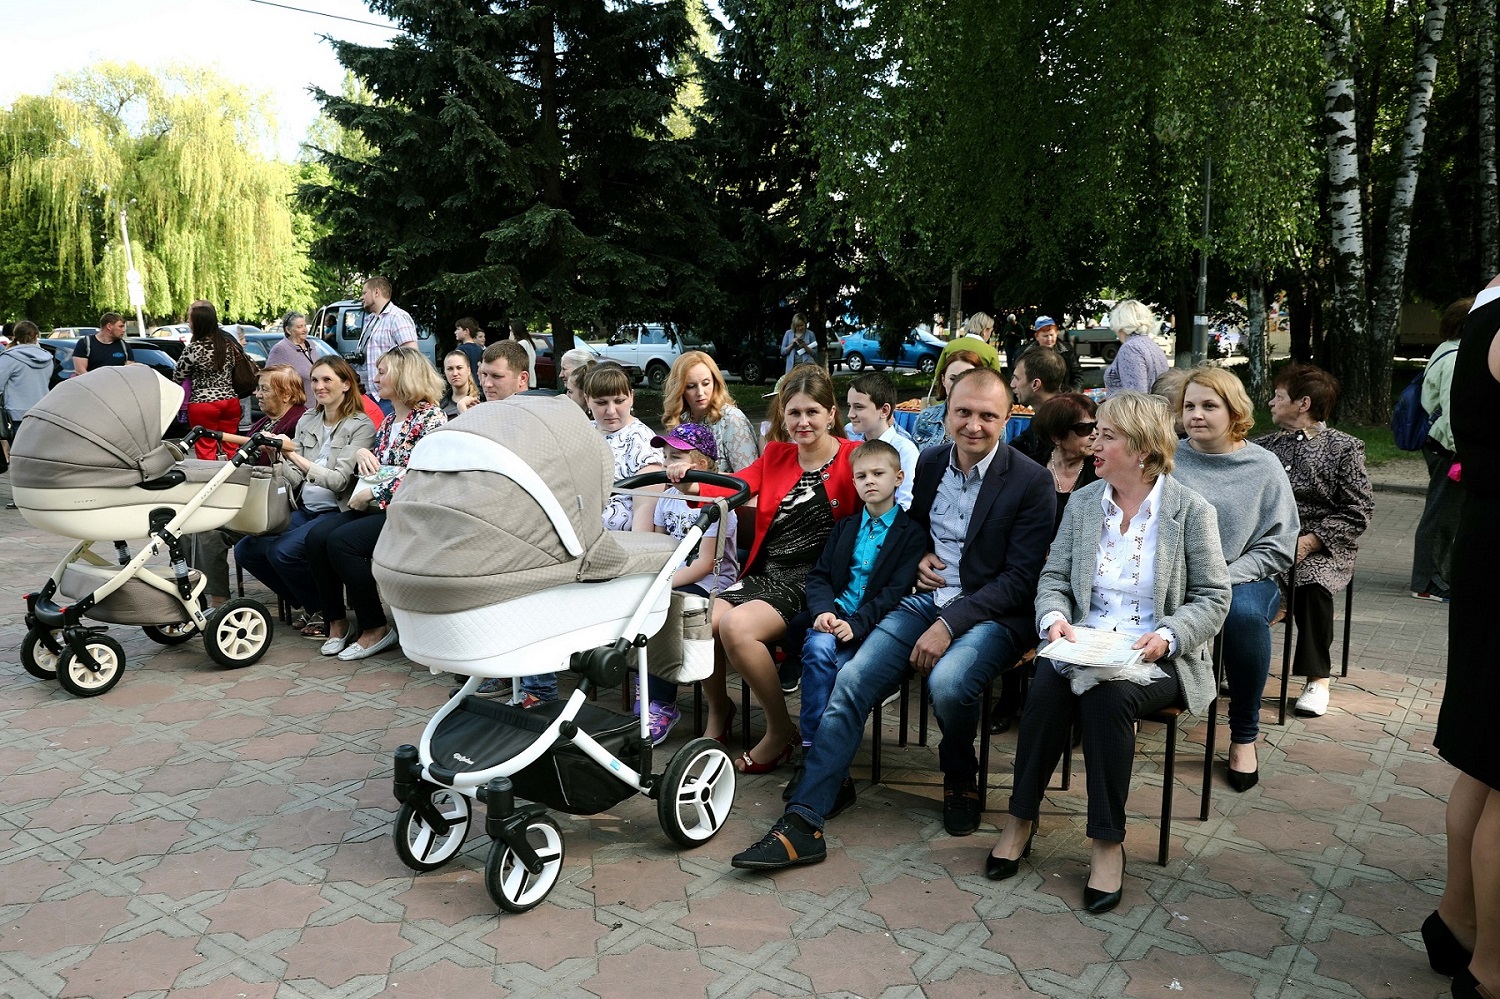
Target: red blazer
{"points": [[776, 471]]}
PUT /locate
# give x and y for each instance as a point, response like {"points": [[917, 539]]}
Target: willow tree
{"points": [[210, 216]]}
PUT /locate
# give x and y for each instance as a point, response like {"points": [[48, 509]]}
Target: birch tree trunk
{"points": [[1256, 347], [1349, 307], [1489, 184], [1390, 283]]}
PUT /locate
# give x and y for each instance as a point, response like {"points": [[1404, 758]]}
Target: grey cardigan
{"points": [[1192, 580], [349, 435]]}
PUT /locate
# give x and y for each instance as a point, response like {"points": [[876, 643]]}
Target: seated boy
{"points": [[868, 566], [689, 445], [872, 407]]}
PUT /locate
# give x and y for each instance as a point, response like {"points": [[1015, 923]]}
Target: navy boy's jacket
{"points": [[891, 578]]}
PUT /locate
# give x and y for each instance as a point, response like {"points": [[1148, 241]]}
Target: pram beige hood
{"points": [[99, 430], [503, 501]]}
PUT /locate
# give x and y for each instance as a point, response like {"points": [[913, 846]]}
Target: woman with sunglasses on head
{"points": [[1067, 423]]}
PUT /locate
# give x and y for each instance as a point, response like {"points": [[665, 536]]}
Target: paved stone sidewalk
{"points": [[200, 833]]}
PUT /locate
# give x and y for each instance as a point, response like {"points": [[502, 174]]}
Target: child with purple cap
{"points": [[688, 446]]}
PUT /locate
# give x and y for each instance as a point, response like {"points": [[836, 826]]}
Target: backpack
{"points": [[1409, 421]]}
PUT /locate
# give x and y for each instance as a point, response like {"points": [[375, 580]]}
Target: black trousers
{"points": [[339, 549], [1107, 712], [1312, 613]]}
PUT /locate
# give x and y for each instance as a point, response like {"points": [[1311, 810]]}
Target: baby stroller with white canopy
{"points": [[90, 463], [495, 563]]}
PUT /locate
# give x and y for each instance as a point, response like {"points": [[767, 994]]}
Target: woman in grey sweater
{"points": [[1139, 361], [1138, 554], [1258, 528]]}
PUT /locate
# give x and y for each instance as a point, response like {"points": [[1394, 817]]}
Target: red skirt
{"points": [[224, 415]]}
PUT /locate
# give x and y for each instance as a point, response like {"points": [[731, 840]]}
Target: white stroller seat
{"points": [[125, 511], [537, 632]]}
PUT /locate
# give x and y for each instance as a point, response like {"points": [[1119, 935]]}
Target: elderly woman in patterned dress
{"points": [[1334, 501]]}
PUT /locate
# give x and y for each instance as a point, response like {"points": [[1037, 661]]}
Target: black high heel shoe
{"points": [[1000, 868], [1099, 902], [1446, 955], [1241, 780]]}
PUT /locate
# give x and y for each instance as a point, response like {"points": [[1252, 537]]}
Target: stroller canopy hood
{"points": [[503, 501], [102, 429]]}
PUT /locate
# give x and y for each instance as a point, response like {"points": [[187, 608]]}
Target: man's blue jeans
{"points": [[956, 683], [1247, 653], [822, 658]]}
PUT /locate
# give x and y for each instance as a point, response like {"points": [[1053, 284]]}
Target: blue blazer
{"points": [[891, 577], [1009, 533]]}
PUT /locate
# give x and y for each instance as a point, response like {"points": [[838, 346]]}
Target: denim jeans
{"points": [[1247, 653], [956, 684], [280, 561], [822, 658]]}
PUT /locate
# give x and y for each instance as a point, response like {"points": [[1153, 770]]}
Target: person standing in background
{"points": [[295, 351], [470, 339], [1432, 545], [798, 345], [387, 326], [105, 349]]}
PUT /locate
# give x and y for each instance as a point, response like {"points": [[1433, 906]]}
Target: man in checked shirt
{"points": [[387, 326]]}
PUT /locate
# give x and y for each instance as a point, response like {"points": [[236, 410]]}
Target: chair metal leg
{"points": [[745, 713], [876, 728], [1210, 738], [1067, 761], [1168, 781], [984, 747], [922, 706], [1348, 622], [905, 711], [698, 708], [239, 575], [1286, 650]]}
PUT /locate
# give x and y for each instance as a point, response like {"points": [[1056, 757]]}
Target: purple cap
{"points": [[690, 437], [1042, 321]]}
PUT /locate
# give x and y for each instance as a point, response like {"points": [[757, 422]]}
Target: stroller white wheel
{"points": [[511, 885], [696, 793], [82, 679], [38, 660], [170, 634], [239, 633], [419, 845]]}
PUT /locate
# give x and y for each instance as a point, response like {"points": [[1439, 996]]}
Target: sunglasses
{"points": [[1083, 429]]}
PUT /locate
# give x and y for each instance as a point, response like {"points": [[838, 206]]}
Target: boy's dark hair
{"points": [[878, 386], [876, 451], [1046, 365]]}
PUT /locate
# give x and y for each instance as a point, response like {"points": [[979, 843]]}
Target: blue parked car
{"points": [[919, 350]]}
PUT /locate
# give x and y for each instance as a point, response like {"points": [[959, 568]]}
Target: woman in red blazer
{"points": [[800, 489]]}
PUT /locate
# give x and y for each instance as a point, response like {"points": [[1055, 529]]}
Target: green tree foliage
{"points": [[522, 162], [210, 216]]}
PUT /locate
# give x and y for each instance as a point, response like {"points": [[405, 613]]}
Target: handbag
{"points": [[7, 425], [245, 376], [268, 502]]}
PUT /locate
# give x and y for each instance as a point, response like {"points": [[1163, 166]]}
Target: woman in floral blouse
{"points": [[339, 548], [695, 393], [208, 362], [1334, 502]]}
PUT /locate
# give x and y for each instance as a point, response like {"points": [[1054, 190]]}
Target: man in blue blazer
{"points": [[987, 511]]}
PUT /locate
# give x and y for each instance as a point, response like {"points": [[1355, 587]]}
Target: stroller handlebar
{"points": [[647, 479]]}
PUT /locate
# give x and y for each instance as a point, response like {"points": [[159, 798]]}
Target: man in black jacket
{"points": [[987, 514], [1044, 332]]}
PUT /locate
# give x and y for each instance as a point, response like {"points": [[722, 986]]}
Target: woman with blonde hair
{"points": [[1137, 554], [696, 393], [1139, 361], [340, 546], [1258, 530]]}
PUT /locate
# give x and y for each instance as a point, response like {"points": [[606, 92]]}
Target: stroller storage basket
{"points": [[565, 778], [136, 602]]}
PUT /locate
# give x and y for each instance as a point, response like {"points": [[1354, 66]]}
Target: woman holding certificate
{"points": [[1138, 555]]}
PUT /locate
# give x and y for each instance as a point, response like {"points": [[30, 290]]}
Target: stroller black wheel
{"points": [[420, 846], [82, 679], [696, 793], [511, 885], [38, 660], [170, 634], [239, 633]]}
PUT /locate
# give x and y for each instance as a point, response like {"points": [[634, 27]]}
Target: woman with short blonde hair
{"points": [[406, 375]]}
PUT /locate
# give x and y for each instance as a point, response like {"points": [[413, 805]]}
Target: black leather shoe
{"points": [[1242, 781], [1446, 955], [790, 842], [845, 798], [1000, 723], [1099, 902], [960, 809], [1001, 868], [1466, 986]]}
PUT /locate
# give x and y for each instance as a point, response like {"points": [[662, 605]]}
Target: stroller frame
{"points": [[87, 662], [526, 855]]}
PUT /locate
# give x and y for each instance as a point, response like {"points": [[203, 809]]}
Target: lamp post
{"points": [[1200, 319], [133, 279]]}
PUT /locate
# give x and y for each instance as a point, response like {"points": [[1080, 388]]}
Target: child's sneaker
{"points": [[494, 687], [530, 701], [663, 717]]}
